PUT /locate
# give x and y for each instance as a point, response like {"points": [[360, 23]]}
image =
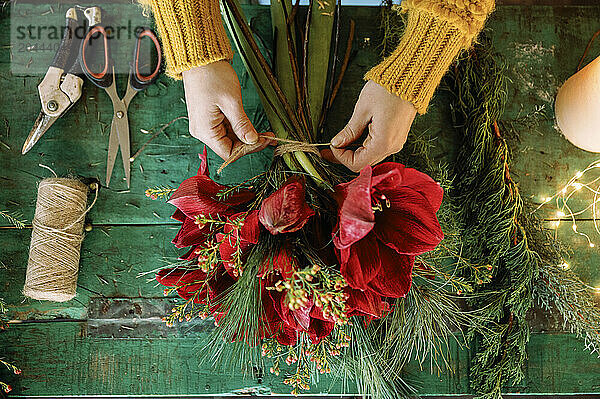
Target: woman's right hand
{"points": [[216, 114]]}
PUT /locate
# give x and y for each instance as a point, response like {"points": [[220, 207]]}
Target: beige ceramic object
{"points": [[577, 108]]}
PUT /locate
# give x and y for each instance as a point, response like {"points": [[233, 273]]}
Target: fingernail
{"points": [[251, 138], [336, 141]]}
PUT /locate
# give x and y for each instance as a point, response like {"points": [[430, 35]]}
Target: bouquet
{"points": [[295, 260]]}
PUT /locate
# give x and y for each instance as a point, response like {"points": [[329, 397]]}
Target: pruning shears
{"points": [[61, 87]]}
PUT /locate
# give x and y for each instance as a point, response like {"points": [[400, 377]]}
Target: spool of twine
{"points": [[56, 239]]}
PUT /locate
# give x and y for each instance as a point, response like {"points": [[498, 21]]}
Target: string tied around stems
{"points": [[285, 146]]}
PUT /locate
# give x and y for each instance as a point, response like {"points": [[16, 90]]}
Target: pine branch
{"points": [[490, 209], [14, 219]]}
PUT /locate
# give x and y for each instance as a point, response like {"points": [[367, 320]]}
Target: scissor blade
{"points": [[124, 143], [40, 126], [113, 147]]}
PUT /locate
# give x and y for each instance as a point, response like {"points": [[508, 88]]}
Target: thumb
{"points": [[352, 131], [240, 123]]}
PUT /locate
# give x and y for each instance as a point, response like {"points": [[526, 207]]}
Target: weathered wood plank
{"points": [[109, 290], [70, 363], [111, 260]]}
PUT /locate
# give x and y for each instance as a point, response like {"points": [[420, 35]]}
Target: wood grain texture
{"points": [[108, 340]]}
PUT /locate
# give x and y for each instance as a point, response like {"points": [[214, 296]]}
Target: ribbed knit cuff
{"points": [[415, 68], [191, 32]]}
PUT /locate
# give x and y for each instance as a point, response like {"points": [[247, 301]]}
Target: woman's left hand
{"points": [[388, 119]]}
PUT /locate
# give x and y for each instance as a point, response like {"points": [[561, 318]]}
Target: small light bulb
{"points": [[560, 214], [564, 266], [577, 186], [574, 227], [546, 199], [564, 190], [592, 245], [578, 174], [597, 165]]}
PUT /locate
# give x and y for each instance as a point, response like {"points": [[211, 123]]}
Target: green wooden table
{"points": [[110, 340]]}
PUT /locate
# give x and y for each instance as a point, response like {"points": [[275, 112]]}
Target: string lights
{"points": [[578, 184], [562, 199]]}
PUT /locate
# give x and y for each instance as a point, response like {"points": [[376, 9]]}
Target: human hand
{"points": [[388, 118], [216, 114]]}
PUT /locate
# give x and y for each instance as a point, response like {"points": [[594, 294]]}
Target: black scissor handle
{"points": [[136, 79], [103, 78], [66, 55]]}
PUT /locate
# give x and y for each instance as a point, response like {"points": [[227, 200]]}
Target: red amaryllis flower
{"points": [[286, 210], [386, 216], [199, 195]]}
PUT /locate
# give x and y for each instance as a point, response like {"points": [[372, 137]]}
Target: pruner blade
{"points": [[41, 126]]}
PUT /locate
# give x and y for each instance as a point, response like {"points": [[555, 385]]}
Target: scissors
{"points": [[105, 79], [62, 85]]}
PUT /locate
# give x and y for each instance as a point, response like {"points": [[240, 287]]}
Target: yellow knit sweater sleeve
{"points": [[435, 32], [191, 33]]}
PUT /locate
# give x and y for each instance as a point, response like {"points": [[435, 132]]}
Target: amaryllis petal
{"points": [[199, 195], [219, 284], [287, 336], [190, 234], [317, 313], [286, 210], [409, 225], [249, 231], [174, 276], [302, 316], [390, 176], [360, 263], [197, 290], [281, 307], [395, 276], [284, 263], [188, 282], [179, 216], [170, 276], [271, 319], [355, 214], [203, 170], [364, 303], [319, 329]]}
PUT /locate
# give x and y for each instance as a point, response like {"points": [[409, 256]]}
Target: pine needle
{"points": [[14, 219]]}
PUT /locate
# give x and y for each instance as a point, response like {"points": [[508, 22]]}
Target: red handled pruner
{"points": [[62, 84], [105, 79]]}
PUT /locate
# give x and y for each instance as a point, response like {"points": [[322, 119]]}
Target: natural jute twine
{"points": [[56, 239], [285, 146]]}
